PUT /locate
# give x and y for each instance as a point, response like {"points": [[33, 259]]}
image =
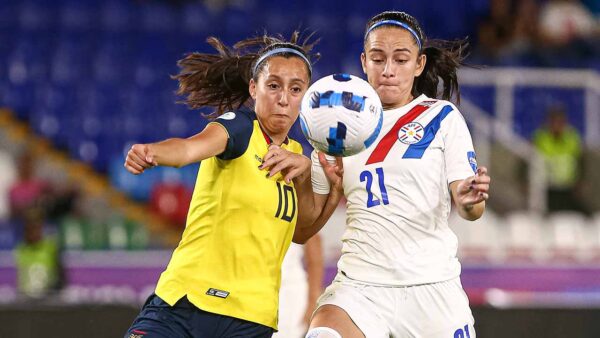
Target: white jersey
{"points": [[398, 196]]}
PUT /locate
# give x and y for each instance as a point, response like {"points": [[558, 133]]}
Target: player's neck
{"points": [[401, 103]]}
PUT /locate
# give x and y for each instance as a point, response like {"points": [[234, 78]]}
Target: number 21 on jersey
{"points": [[372, 200]]}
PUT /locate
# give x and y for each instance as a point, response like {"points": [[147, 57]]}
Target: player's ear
{"points": [[363, 62], [252, 89], [421, 61]]}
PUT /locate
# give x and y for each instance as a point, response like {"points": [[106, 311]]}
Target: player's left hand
{"points": [[290, 164], [474, 189]]}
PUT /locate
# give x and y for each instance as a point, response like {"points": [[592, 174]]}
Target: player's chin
{"points": [[388, 95]]}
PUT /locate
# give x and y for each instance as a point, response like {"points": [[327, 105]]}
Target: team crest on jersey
{"points": [[411, 133]]}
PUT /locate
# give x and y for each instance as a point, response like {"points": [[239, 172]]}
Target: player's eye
{"points": [[296, 90], [401, 60], [273, 85]]}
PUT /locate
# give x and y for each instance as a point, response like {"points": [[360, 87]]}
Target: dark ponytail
{"points": [[443, 58], [221, 80]]}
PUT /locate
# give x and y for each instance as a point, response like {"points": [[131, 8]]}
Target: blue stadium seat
{"points": [[531, 106], [70, 62], [196, 20], [118, 16], [482, 96], [78, 15], [157, 17], [138, 187], [36, 15], [8, 235]]}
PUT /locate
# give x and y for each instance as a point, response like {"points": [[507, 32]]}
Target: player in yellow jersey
{"points": [[223, 278]]}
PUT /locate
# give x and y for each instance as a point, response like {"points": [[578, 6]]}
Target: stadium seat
{"points": [[36, 15], [118, 16], [566, 236], [8, 235], [478, 240], [524, 240], [77, 15]]}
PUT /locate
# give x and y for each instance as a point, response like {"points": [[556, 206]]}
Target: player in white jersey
{"points": [[398, 275], [301, 285]]}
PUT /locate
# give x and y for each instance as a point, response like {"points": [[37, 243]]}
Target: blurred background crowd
{"points": [[83, 80]]}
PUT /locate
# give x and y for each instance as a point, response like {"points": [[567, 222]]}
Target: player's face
{"points": [[391, 61], [278, 93]]}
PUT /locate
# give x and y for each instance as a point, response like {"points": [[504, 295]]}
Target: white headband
{"points": [[395, 23], [281, 50]]}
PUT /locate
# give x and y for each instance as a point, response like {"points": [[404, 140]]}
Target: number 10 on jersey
{"points": [[373, 201]]}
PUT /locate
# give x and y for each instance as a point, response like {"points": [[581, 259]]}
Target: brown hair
{"points": [[443, 58], [221, 80]]}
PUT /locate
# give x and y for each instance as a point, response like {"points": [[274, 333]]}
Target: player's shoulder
{"points": [[241, 115], [444, 108]]}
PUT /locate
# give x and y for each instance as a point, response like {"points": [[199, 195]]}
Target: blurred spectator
{"points": [[563, 21], [568, 33], [507, 36], [31, 192], [560, 145], [37, 259], [28, 191], [301, 286]]}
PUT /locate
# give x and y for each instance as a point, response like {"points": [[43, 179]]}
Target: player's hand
{"points": [[474, 189], [334, 170], [291, 165], [139, 158]]}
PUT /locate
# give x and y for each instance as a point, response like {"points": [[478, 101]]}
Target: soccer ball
{"points": [[341, 115]]}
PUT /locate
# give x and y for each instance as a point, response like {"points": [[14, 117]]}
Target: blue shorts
{"points": [[160, 320]]}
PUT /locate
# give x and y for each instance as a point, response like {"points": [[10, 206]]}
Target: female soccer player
{"points": [[223, 278], [398, 275]]}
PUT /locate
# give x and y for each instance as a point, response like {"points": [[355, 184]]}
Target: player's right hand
{"points": [[139, 158]]}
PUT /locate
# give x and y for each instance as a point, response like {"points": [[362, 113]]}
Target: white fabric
{"points": [[323, 332], [293, 295], [438, 310], [406, 241], [319, 181]]}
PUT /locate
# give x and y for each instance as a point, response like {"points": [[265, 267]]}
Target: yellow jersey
{"points": [[239, 226]]}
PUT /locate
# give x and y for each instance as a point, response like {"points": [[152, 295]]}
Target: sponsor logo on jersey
{"points": [[217, 293], [472, 160], [427, 103], [411, 133], [227, 116]]}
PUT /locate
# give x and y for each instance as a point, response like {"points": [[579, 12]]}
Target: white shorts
{"points": [[428, 310]]}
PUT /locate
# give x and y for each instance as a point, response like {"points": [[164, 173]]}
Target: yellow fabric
{"points": [[561, 156], [238, 230]]}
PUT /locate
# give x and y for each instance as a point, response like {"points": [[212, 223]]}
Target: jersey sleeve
{"points": [[318, 179], [459, 153], [239, 126]]}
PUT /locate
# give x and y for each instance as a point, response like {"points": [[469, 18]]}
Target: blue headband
{"points": [[395, 23], [281, 50]]}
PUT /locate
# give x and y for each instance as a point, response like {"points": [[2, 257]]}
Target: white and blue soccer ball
{"points": [[341, 115]]}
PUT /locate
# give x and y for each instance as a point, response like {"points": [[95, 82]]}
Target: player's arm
{"points": [[470, 194], [313, 257], [326, 178], [314, 209], [177, 152]]}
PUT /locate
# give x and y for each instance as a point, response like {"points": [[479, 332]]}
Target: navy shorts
{"points": [[184, 320]]}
